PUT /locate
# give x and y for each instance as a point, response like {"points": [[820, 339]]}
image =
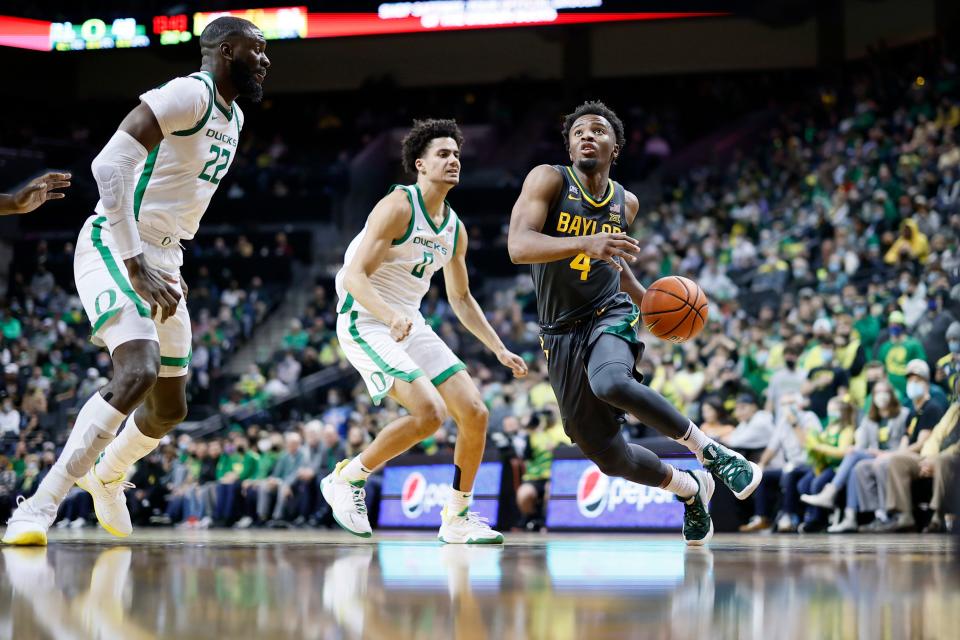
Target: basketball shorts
{"points": [[380, 359], [587, 420], [116, 312]]}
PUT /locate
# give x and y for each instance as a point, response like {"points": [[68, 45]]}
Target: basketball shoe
{"points": [[739, 474], [346, 500], [29, 523], [466, 527], [109, 502], [697, 524]]}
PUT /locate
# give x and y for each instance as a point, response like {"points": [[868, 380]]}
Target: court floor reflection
{"points": [[295, 584]]}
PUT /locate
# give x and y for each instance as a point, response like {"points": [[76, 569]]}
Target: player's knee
{"points": [[475, 415], [612, 385], [169, 414], [136, 379], [429, 416]]}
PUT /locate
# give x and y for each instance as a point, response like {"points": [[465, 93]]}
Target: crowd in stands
{"points": [[830, 253]]}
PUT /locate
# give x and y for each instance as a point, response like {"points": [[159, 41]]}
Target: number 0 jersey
{"points": [[403, 278], [572, 289], [179, 177]]}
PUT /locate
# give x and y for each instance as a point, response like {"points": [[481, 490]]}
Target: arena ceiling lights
{"points": [[296, 22]]}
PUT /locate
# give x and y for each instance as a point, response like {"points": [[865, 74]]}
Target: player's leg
{"points": [[343, 488], [462, 398], [163, 409], [610, 367], [135, 366]]}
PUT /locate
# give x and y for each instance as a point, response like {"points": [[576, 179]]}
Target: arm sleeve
{"points": [[113, 170], [178, 105]]}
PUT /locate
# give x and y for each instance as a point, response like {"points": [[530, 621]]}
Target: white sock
{"points": [[695, 440], [355, 471], [96, 426], [681, 483], [459, 501], [131, 445]]}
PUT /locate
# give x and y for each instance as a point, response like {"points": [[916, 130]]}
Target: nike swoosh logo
{"points": [[600, 311], [569, 197], [419, 228]]}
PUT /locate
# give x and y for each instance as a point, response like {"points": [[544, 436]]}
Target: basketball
{"points": [[674, 308]]}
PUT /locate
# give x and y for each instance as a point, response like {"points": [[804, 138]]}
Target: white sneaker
{"points": [[243, 523], [79, 523], [466, 527], [346, 500], [824, 499], [109, 502], [29, 523]]}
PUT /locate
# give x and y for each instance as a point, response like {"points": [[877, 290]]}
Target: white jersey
{"points": [[404, 276], [179, 177]]}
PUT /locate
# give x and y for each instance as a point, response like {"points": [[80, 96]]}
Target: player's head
{"points": [[432, 150], [594, 136], [240, 46]]}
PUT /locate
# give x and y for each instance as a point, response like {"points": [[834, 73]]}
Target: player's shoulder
{"points": [[631, 204], [544, 179], [194, 83]]}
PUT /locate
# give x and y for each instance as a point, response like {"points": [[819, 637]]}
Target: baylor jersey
{"points": [[571, 289], [403, 278]]}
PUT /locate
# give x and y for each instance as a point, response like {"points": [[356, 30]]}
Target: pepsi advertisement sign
{"points": [[414, 495], [581, 497]]}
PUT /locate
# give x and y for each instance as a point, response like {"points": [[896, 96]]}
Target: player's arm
{"points": [[387, 222], [628, 281], [113, 170], [34, 193], [527, 243], [468, 311]]}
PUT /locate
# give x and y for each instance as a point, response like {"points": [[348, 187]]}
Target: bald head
{"points": [[223, 29], [234, 51]]}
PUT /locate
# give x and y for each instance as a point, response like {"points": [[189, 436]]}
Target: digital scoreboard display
{"points": [[94, 33], [279, 23]]}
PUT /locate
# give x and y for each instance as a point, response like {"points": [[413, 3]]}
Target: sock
{"points": [[681, 483], [355, 471], [131, 445], [95, 427], [459, 501], [695, 440]]}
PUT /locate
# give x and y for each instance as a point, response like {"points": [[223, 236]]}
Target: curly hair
{"points": [[424, 132], [596, 108]]}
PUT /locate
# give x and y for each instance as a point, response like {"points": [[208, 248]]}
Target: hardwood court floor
{"points": [[162, 583]]}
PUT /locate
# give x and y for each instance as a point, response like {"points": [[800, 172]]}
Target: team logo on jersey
{"points": [[615, 218], [573, 193], [592, 492]]}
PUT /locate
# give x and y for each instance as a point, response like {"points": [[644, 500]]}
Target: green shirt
{"points": [[265, 465], [895, 356], [11, 328], [229, 462]]}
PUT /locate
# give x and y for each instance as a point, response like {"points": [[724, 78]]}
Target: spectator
{"points": [[784, 455], [949, 365], [278, 487], [754, 428], [541, 436], [714, 420], [940, 459], [898, 350], [825, 381], [789, 379], [906, 464], [237, 464], [9, 418], [268, 453], [911, 245]]}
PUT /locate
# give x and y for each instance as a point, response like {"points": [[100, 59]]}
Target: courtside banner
{"points": [[414, 495], [583, 498]]}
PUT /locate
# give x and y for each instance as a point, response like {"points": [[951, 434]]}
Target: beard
{"points": [[244, 79], [587, 165]]}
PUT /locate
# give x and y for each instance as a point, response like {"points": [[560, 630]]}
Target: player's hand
{"points": [[610, 246], [400, 327], [513, 362], [153, 287], [39, 190]]}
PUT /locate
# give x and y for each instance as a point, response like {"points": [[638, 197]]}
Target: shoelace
{"points": [[117, 487], [359, 495], [726, 466], [696, 517], [47, 511], [476, 519]]}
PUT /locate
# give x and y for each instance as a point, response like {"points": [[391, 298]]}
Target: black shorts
{"points": [[590, 422]]}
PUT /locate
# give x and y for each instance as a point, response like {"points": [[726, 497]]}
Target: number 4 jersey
{"points": [[181, 174], [403, 278], [572, 289]]}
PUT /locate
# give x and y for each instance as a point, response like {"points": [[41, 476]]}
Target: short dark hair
{"points": [[224, 28], [595, 108], [424, 132]]}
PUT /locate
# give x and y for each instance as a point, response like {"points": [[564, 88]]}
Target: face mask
{"points": [[882, 400], [791, 364], [896, 331], [915, 390], [954, 346], [264, 445], [932, 305], [827, 355], [833, 416], [860, 311]]}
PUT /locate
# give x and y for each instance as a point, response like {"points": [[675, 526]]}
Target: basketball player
{"points": [[410, 235], [34, 193], [156, 177], [570, 224]]}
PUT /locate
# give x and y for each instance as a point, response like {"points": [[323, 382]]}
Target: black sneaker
{"points": [[739, 474], [697, 525]]}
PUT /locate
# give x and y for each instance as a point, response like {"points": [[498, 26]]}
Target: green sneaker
{"points": [[739, 474], [697, 524]]}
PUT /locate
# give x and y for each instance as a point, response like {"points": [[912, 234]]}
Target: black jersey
{"points": [[571, 289]]}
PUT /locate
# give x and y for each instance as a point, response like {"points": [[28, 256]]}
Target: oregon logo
{"points": [[592, 492], [110, 300], [379, 382], [411, 496]]}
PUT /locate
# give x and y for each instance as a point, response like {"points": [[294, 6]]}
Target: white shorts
{"points": [[116, 312], [380, 359]]}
